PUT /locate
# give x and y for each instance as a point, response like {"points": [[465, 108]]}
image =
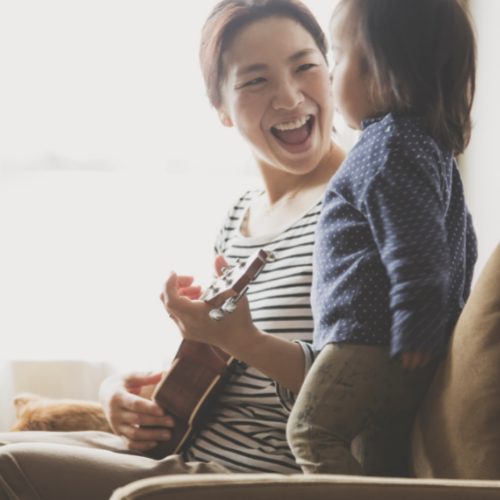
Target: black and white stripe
{"points": [[246, 429]]}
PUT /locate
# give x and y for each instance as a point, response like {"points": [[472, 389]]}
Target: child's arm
{"points": [[406, 209]]}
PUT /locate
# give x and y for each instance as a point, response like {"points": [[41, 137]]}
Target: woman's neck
{"points": [[280, 183], [287, 196]]}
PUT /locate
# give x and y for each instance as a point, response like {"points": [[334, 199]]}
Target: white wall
{"points": [[84, 256], [482, 159]]}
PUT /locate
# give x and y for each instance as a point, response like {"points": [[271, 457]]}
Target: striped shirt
{"points": [[246, 429]]}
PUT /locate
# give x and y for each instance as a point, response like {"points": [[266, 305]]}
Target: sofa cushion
{"points": [[457, 430], [299, 487]]}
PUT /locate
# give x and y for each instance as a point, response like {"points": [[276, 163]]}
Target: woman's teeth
{"points": [[293, 125]]}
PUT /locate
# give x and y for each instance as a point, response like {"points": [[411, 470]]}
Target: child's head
{"points": [[406, 57]]}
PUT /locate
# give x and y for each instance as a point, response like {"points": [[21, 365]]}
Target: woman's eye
{"points": [[255, 81], [305, 67]]}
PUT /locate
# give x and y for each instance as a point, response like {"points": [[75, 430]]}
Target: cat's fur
{"points": [[35, 413]]}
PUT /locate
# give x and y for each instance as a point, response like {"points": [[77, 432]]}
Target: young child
{"points": [[395, 246]]}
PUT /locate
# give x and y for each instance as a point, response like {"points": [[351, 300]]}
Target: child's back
{"points": [[395, 247]]}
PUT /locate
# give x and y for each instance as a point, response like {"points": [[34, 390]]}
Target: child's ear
{"points": [[225, 118]]}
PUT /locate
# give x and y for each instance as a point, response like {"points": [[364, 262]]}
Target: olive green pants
{"points": [[354, 412]]}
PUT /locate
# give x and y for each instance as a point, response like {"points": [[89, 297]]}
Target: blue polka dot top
{"points": [[395, 246]]}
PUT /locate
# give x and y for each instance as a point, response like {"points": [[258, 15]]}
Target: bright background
{"points": [[111, 85], [114, 170]]}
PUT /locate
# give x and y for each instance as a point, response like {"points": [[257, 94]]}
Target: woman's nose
{"points": [[288, 96]]}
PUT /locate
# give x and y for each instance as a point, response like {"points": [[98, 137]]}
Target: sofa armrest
{"points": [[300, 487]]}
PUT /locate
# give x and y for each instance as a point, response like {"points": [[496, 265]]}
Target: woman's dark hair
{"points": [[422, 57], [228, 17]]}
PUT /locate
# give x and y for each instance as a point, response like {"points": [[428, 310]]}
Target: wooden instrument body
{"points": [[197, 374], [199, 371]]}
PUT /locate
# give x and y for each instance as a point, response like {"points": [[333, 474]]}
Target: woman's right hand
{"points": [[128, 413]]}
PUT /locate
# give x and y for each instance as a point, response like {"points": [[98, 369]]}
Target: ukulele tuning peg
{"points": [[229, 306], [240, 262], [216, 314], [270, 257]]}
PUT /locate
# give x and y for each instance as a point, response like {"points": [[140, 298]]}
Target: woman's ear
{"points": [[225, 118]]}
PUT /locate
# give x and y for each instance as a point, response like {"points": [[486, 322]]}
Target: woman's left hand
{"points": [[233, 334]]}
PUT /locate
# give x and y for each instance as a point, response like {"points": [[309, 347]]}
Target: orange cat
{"points": [[35, 413]]}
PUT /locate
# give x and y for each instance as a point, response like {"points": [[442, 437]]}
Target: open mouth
{"points": [[294, 133]]}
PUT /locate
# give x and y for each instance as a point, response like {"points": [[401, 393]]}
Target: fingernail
{"points": [[165, 435]]}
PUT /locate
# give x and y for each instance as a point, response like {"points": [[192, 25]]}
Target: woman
{"points": [[264, 64]]}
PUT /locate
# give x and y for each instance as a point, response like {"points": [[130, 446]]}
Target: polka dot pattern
{"points": [[395, 247]]}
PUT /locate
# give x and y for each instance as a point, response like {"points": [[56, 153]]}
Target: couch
{"points": [[455, 440]]}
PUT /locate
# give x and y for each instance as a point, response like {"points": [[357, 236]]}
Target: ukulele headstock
{"points": [[227, 290]]}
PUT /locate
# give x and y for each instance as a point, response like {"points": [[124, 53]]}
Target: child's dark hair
{"points": [[422, 56]]}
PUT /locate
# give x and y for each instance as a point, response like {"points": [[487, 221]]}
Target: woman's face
{"points": [[277, 93]]}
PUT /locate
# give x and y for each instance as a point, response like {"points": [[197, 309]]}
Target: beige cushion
{"points": [[457, 430], [299, 487]]}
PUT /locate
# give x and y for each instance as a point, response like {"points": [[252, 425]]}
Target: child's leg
{"points": [[347, 388], [382, 447]]}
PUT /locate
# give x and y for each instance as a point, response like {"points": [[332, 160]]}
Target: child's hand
{"points": [[412, 360]]}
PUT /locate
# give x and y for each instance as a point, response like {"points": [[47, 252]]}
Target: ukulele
{"points": [[199, 370]]}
